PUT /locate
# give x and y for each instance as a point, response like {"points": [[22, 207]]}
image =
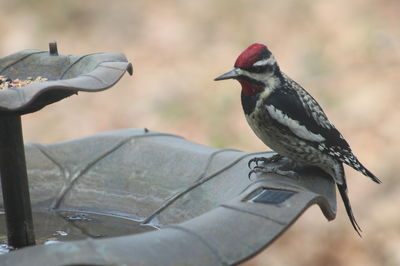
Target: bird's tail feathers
{"points": [[353, 162], [343, 193]]}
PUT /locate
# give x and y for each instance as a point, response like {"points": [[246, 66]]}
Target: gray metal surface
{"points": [[208, 210]]}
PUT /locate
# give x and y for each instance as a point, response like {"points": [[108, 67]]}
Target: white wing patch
{"points": [[293, 125]]}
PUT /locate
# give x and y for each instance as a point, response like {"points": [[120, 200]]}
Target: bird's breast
{"points": [[261, 124]]}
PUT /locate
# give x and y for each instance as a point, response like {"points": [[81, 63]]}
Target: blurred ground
{"points": [[346, 53]]}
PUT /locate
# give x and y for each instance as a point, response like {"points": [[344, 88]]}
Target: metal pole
{"points": [[14, 183]]}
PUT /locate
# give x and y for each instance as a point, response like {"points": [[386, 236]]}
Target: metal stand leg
{"points": [[14, 183]]}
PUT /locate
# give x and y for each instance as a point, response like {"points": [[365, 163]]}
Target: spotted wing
{"points": [[289, 112], [310, 105]]}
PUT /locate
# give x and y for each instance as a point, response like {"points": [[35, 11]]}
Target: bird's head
{"points": [[255, 69]]}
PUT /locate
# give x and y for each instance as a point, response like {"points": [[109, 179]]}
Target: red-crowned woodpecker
{"points": [[289, 120]]}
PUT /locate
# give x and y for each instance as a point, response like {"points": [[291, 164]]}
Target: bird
{"points": [[291, 122]]}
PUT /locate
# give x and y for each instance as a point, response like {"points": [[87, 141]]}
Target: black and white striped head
{"points": [[256, 69]]}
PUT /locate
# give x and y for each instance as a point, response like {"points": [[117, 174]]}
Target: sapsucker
{"points": [[289, 120]]}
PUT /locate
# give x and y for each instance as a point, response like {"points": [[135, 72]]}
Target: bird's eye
{"points": [[261, 69]]}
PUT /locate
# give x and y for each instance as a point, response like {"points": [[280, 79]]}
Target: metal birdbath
{"points": [[207, 210], [140, 197], [64, 76]]}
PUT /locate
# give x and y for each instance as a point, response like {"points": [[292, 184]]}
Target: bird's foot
{"points": [[269, 165], [274, 170], [273, 159]]}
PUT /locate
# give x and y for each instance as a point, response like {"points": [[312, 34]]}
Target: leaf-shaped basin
{"points": [[66, 74], [208, 210]]}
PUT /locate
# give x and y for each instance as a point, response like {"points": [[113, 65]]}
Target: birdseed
{"points": [[7, 83]]}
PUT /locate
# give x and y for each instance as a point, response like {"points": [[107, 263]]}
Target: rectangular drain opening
{"points": [[270, 196]]}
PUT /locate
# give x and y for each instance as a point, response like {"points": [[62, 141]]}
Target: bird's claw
{"points": [[255, 169], [255, 160], [250, 173], [273, 159], [267, 168]]}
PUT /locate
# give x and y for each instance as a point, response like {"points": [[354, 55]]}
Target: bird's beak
{"points": [[229, 75]]}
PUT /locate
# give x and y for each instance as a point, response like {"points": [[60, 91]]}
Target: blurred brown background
{"points": [[346, 53]]}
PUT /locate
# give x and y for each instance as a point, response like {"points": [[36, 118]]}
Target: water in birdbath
{"points": [[59, 226]]}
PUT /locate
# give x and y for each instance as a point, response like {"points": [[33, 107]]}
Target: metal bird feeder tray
{"points": [[65, 75]]}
